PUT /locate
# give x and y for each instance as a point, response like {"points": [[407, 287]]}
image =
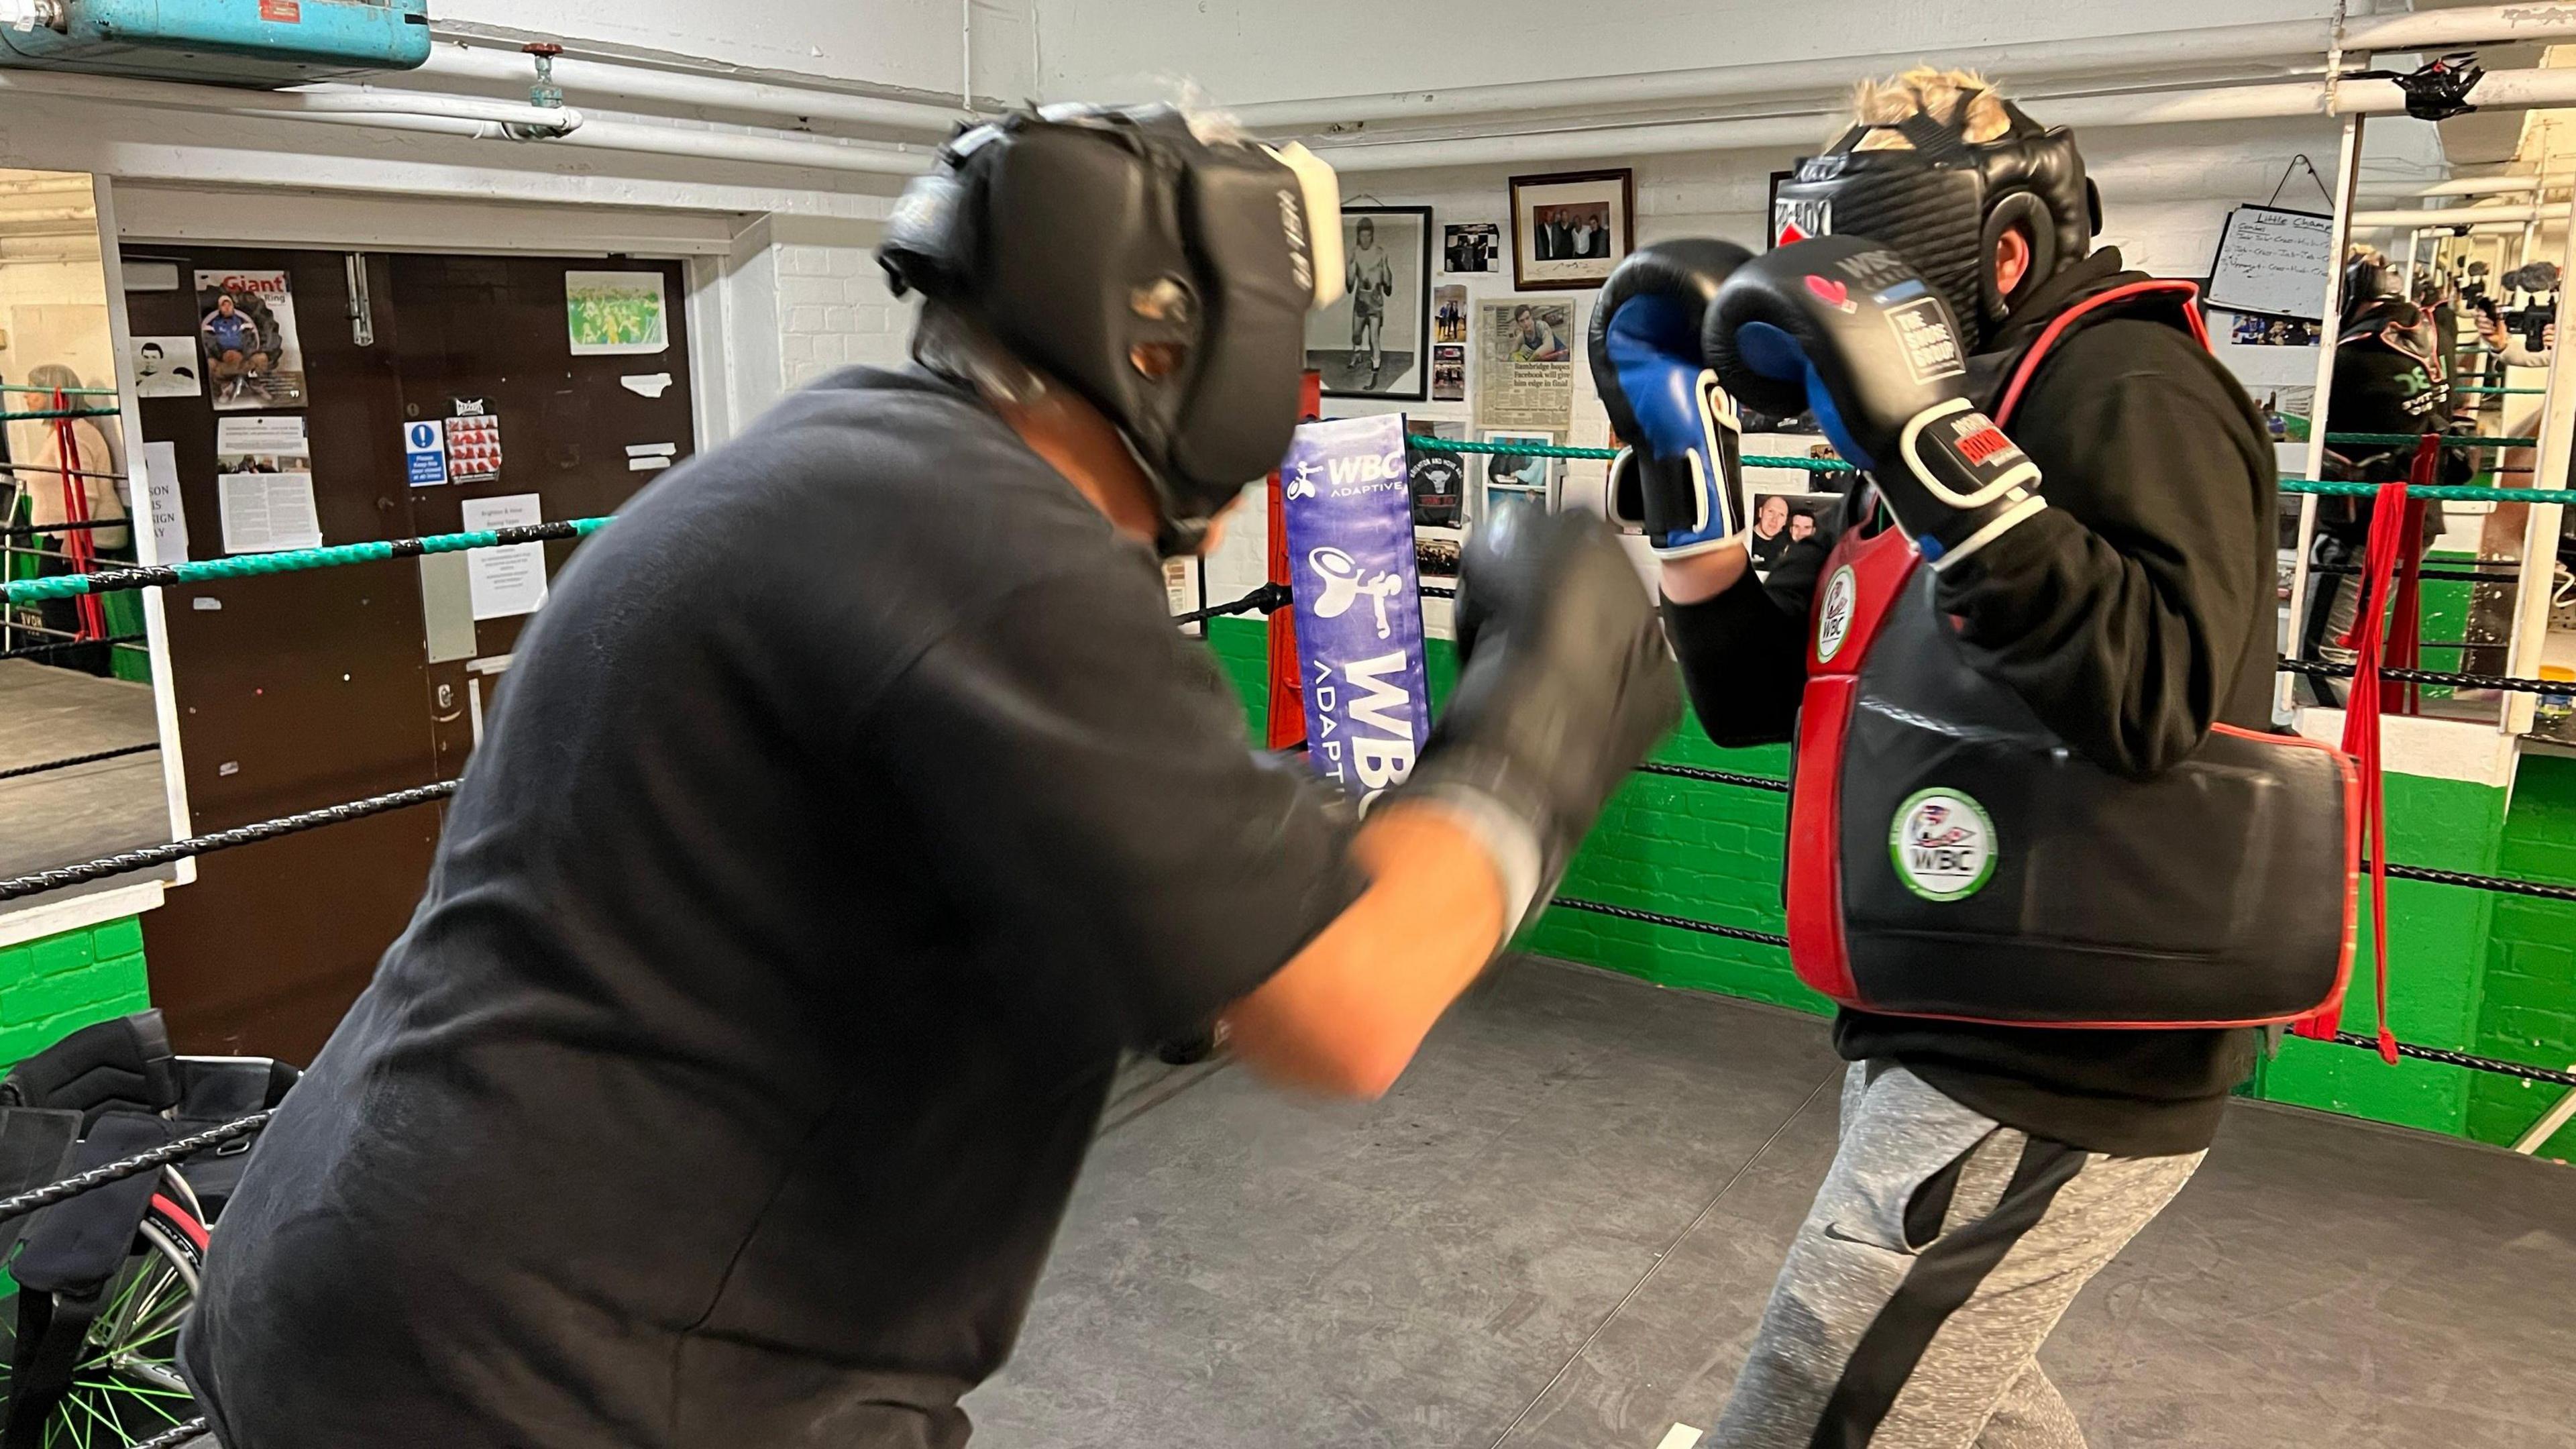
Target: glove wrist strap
{"points": [[1962, 459], [1506, 835], [2012, 517]]}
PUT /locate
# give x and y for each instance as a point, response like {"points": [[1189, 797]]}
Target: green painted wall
{"points": [[52, 987], [2468, 970], [2527, 1011]]}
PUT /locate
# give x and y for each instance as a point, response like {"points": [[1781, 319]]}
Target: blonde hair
{"points": [[1929, 91]]}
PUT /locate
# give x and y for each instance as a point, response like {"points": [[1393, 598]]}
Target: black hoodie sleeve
{"points": [[1744, 652], [2121, 614]]}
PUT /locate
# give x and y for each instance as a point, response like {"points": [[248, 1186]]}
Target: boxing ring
{"points": [[1754, 1034]]}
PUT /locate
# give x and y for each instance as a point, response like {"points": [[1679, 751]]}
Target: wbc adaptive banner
{"points": [[1348, 501]]}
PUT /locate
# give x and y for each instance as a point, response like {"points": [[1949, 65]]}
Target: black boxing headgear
{"points": [[2390, 321], [1164, 278], [1944, 204]]}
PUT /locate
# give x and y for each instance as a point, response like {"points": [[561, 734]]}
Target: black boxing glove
{"points": [[1564, 683], [1682, 475], [1842, 328]]}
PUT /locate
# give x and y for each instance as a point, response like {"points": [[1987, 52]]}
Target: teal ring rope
{"points": [[2461, 493], [36, 414], [114, 581]]}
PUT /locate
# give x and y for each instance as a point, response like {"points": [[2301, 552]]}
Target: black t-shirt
{"points": [[2378, 389], [2123, 615], [848, 809], [1439, 480]]}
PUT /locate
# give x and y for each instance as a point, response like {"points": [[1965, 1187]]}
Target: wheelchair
{"points": [[103, 1282]]}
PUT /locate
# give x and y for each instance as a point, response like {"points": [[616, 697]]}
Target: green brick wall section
{"points": [[2527, 1011], [55, 986], [1713, 852]]}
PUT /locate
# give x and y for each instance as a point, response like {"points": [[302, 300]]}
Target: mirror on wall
{"points": [[81, 731]]}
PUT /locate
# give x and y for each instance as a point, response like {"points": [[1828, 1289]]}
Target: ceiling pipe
{"points": [[599, 81], [2466, 186], [475, 120], [2500, 90], [2305, 41], [341, 106], [2452, 216], [2467, 25], [761, 150], [2225, 44]]}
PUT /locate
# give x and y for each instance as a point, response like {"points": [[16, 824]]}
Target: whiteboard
{"points": [[2273, 261]]}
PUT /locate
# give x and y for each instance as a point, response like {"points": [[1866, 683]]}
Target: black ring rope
{"points": [[145, 859], [2470, 1060], [171, 1438], [65, 646], [1266, 599], [2469, 575], [2501, 885], [29, 530], [90, 759], [1679, 923], [1720, 777], [2320, 669], [40, 1198]]}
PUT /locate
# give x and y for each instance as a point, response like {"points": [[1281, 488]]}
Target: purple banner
{"points": [[1348, 500]]}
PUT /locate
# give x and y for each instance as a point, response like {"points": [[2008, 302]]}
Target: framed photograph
{"points": [[1448, 373], [1522, 477], [1782, 517], [1570, 229], [1448, 314], [1375, 341], [1439, 478], [1470, 246]]}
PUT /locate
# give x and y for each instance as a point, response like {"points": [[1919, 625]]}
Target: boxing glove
{"points": [[1842, 328], [1564, 683], [1679, 475]]}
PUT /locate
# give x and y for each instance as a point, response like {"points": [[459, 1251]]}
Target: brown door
{"points": [[487, 338], [302, 690]]}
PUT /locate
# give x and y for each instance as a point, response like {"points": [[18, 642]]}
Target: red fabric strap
{"points": [[2396, 532]]}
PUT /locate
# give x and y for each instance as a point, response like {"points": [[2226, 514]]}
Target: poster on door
{"points": [[613, 313], [474, 442], [246, 328]]}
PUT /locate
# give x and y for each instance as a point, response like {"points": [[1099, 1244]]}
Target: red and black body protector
{"points": [[1950, 856]]}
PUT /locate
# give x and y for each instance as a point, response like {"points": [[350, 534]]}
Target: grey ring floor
{"points": [[85, 811], [1559, 1229]]}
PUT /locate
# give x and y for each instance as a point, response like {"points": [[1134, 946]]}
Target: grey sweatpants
{"points": [[1939, 1254]]}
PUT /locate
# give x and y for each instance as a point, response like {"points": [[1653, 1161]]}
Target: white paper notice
{"points": [[260, 434], [264, 484], [511, 579], [161, 501], [267, 512]]}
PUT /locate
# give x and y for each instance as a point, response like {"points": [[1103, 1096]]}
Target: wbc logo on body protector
{"points": [[1833, 621], [1943, 843]]}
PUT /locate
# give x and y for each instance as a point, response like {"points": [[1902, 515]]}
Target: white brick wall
{"points": [[833, 307], [804, 296]]}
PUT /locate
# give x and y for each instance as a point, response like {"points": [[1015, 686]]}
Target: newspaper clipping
{"points": [[1525, 348]]}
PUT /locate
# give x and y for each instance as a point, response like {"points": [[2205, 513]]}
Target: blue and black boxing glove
{"points": [[1680, 476], [1842, 328]]}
